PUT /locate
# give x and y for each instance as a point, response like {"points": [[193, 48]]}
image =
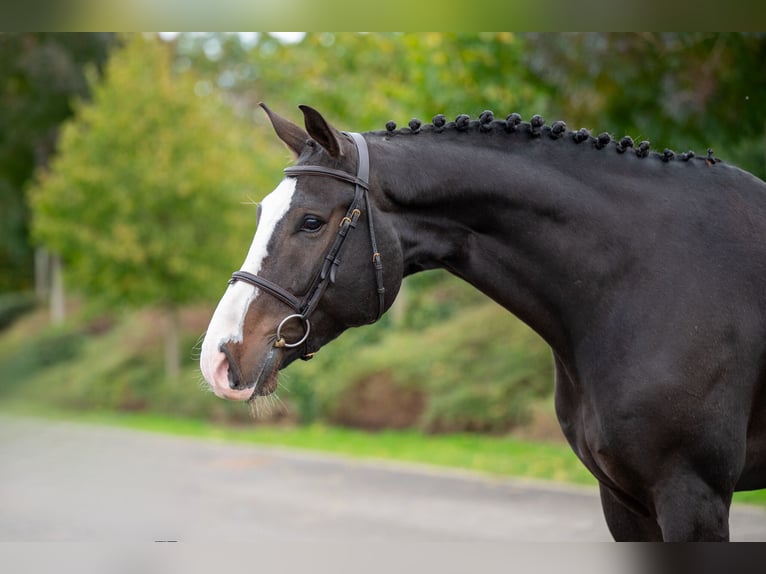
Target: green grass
{"points": [[494, 456], [751, 497]]}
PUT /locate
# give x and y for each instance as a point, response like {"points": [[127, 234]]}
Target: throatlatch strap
{"points": [[363, 173], [363, 167]]}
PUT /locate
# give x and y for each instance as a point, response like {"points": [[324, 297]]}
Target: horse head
{"points": [[315, 266]]}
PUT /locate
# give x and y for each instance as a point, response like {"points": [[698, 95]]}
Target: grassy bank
{"points": [[454, 362]]}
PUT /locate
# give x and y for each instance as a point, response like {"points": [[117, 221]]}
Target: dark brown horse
{"points": [[645, 272]]}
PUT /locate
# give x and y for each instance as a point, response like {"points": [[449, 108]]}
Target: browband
{"points": [[319, 170]]}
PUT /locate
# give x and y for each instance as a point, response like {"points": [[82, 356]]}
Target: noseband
{"points": [[305, 306]]}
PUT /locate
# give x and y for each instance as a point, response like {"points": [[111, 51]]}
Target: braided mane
{"points": [[536, 128]]}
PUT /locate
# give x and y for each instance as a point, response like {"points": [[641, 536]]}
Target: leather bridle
{"points": [[305, 306]]}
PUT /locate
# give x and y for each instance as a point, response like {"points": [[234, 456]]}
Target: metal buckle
{"points": [[351, 220]]}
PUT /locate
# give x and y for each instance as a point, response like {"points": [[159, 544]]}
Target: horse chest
{"points": [[596, 437], [577, 420]]}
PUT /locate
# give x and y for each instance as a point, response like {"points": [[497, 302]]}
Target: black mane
{"points": [[536, 128]]}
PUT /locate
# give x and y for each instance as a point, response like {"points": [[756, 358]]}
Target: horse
{"points": [[644, 271]]}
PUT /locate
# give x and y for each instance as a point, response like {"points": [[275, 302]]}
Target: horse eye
{"points": [[312, 224]]}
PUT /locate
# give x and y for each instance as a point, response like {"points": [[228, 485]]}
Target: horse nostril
{"points": [[233, 374], [233, 379]]}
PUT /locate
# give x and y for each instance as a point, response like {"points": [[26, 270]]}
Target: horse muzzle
{"points": [[242, 380]]}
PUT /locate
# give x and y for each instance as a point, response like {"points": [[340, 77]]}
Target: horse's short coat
{"points": [[646, 274]]}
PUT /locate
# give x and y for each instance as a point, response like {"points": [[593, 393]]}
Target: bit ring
{"points": [[281, 343]]}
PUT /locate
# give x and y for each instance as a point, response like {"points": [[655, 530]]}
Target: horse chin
{"points": [[267, 380]]}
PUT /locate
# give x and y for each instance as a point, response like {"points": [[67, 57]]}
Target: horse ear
{"points": [[322, 132], [288, 132]]}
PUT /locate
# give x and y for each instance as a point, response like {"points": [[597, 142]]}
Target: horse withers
{"points": [[645, 272]]}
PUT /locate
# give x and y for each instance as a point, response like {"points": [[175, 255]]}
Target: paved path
{"points": [[61, 481]]}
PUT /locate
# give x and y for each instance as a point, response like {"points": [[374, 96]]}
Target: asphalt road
{"points": [[62, 481]]}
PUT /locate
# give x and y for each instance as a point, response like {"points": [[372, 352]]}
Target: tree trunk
{"points": [[42, 274], [57, 300], [173, 343]]}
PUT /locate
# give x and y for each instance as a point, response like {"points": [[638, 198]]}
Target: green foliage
{"points": [[478, 371], [118, 369], [678, 90], [13, 305], [433, 296], [143, 201], [41, 73], [40, 355], [360, 81], [84, 365]]}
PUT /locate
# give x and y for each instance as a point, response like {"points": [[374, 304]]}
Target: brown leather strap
{"points": [[363, 173], [320, 170], [282, 294]]}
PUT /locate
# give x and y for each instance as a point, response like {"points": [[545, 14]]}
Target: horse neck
{"points": [[524, 222]]}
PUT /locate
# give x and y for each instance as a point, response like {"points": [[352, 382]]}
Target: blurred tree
{"points": [[676, 89], [362, 80], [683, 90], [142, 201], [40, 74]]}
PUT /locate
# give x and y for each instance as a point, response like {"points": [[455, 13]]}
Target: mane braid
{"points": [[535, 128]]}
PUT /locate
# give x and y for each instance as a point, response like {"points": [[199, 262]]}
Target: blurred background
{"points": [[131, 164]]}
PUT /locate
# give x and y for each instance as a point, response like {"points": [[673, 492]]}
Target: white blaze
{"points": [[229, 317]]}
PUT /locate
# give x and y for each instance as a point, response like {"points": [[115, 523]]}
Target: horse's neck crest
{"points": [[536, 128]]}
